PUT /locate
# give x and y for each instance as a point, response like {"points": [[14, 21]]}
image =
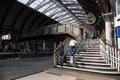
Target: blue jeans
{"points": [[71, 50]]}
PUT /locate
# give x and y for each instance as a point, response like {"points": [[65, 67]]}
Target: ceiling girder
{"points": [[30, 2]]}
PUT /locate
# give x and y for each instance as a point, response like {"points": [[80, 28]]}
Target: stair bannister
{"points": [[55, 57], [110, 54], [66, 48]]}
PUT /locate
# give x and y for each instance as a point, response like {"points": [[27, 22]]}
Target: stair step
{"points": [[89, 48], [96, 67], [90, 70], [104, 66], [91, 60], [92, 50], [95, 64], [89, 52], [88, 55]]}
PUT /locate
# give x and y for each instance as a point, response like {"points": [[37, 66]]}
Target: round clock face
{"points": [[90, 18]]}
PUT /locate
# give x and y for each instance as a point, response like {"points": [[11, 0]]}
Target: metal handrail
{"points": [[110, 54], [56, 52], [66, 48], [52, 29]]}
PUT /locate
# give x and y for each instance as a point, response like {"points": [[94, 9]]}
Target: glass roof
{"points": [[64, 11]]}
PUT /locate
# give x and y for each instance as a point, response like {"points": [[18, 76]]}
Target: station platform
{"points": [[41, 68], [62, 74]]}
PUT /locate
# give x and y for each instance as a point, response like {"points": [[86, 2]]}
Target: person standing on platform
{"points": [[72, 44], [60, 50]]}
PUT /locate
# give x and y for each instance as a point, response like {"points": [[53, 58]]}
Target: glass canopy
{"points": [[63, 11]]}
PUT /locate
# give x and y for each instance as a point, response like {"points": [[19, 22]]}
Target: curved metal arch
{"points": [[26, 20], [22, 9], [34, 22], [30, 21], [6, 13], [44, 22], [41, 21], [37, 22], [30, 2], [22, 19]]}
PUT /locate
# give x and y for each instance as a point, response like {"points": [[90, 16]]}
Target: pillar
{"points": [[0, 43], [108, 32], [54, 45], [43, 45]]}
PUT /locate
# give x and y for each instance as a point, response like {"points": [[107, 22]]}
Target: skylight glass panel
{"points": [[52, 11], [23, 1], [34, 4], [45, 7]]}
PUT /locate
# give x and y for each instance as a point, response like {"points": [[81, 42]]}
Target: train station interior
{"points": [[31, 32]]}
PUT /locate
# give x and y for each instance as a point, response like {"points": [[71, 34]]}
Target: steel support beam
{"points": [[30, 2]]}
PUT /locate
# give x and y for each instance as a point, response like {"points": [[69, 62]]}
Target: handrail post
{"points": [[107, 54], [55, 58], [113, 57], [110, 57], [118, 60]]}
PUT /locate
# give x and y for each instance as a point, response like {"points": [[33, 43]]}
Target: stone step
{"points": [[89, 70], [91, 58], [96, 67], [88, 52], [88, 55], [91, 67], [92, 64], [86, 60], [92, 50], [88, 47]]}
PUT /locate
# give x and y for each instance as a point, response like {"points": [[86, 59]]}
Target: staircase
{"points": [[88, 58]]}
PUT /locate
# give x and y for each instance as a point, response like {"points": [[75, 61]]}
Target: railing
{"points": [[66, 48], [110, 54], [52, 29]]}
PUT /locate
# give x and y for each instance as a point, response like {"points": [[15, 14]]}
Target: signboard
{"points": [[118, 31]]}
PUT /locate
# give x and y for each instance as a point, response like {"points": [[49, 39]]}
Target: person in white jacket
{"points": [[72, 44]]}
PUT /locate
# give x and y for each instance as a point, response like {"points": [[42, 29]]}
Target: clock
{"points": [[90, 19]]}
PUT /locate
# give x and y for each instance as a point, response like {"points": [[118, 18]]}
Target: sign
{"points": [[118, 31]]}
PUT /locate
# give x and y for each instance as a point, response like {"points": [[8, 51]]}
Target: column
{"points": [[108, 27], [108, 31], [0, 42], [43, 45], [54, 45]]}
